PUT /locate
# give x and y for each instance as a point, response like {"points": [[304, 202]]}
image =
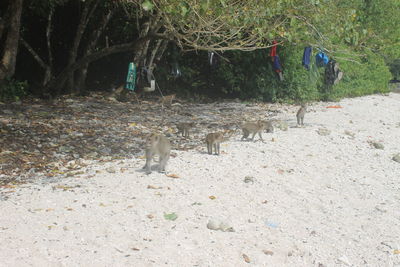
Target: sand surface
{"points": [[298, 199]]}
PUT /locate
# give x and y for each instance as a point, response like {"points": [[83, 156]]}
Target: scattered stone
{"points": [[111, 170], [323, 131], [381, 209], [351, 134], [64, 149], [249, 179], [377, 145], [215, 224], [246, 258], [396, 158], [268, 252]]}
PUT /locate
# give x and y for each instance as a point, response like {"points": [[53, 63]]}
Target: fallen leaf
{"points": [[170, 216], [268, 252], [396, 251], [281, 171], [212, 197], [173, 175], [153, 187], [246, 258]]}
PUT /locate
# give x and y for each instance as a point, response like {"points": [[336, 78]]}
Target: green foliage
{"points": [[249, 75], [365, 75], [394, 67], [13, 90]]}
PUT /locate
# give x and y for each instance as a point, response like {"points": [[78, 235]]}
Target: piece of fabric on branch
{"points": [[306, 57], [321, 59], [272, 52]]}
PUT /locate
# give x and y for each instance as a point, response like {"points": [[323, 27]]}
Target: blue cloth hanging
{"points": [[277, 64], [306, 57], [321, 59]]}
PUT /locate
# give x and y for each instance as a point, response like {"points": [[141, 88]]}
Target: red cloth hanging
{"points": [[272, 53]]}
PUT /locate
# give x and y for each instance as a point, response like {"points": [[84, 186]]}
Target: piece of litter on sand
{"points": [[170, 216], [334, 106], [271, 224]]}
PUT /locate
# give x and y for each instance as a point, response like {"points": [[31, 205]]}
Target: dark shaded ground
{"points": [[41, 137]]}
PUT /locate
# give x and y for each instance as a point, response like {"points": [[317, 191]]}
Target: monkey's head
{"points": [[262, 124], [152, 140]]}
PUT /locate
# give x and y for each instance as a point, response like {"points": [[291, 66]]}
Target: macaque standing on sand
{"points": [[157, 144], [300, 114], [167, 100], [184, 128], [214, 140], [253, 128]]}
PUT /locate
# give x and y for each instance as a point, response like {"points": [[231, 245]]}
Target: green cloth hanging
{"points": [[131, 77]]}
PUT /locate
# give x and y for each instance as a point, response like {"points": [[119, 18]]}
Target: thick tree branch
{"points": [[33, 53], [56, 83]]}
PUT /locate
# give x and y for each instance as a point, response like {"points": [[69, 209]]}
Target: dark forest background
{"points": [[74, 47]]}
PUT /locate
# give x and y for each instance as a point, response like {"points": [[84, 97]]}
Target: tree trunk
{"points": [[10, 50], [85, 17], [58, 82], [81, 73], [47, 67]]}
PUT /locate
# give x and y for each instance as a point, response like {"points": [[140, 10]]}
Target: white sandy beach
{"points": [[308, 200]]}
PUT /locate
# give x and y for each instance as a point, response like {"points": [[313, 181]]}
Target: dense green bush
{"points": [[13, 90], [368, 75], [249, 75]]}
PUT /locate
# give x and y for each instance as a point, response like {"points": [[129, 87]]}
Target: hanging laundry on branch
{"points": [[131, 77], [272, 53], [321, 59], [306, 57], [277, 67], [276, 64], [332, 73]]}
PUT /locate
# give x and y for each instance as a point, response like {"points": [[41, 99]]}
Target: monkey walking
{"points": [[157, 144], [300, 114], [167, 100], [184, 128], [253, 128], [214, 140]]}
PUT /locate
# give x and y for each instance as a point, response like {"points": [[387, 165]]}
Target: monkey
{"points": [[253, 128], [300, 114], [214, 140], [167, 100], [184, 128], [157, 144]]}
